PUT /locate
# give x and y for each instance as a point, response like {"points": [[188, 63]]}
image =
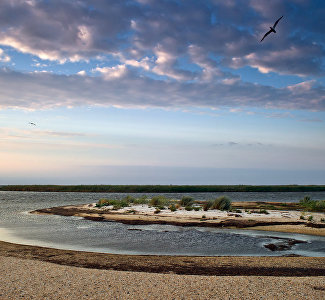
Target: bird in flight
{"points": [[272, 29], [31, 123]]}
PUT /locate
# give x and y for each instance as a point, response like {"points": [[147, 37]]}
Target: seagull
{"points": [[31, 123], [272, 29]]}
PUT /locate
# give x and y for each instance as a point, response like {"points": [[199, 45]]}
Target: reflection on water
{"points": [[111, 237]]}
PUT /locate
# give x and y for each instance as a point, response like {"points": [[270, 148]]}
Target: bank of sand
{"points": [[275, 220]]}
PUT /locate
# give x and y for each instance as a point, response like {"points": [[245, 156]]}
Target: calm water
{"points": [[111, 237]]}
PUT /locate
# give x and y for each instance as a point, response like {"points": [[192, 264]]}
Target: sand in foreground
{"points": [[30, 279]]}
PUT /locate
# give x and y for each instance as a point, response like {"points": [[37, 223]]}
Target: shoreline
{"points": [[166, 264]]}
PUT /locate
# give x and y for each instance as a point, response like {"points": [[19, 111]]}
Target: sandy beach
{"points": [[30, 272], [30, 279]]}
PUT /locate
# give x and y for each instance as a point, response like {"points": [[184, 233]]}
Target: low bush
{"points": [[188, 208], [222, 203], [157, 211], [312, 205], [186, 201], [142, 200], [172, 207], [197, 208], [159, 201], [310, 218], [207, 205]]}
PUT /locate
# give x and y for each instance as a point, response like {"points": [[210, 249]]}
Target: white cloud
{"points": [[82, 73], [112, 72]]}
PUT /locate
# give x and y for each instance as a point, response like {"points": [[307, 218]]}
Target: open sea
{"points": [[18, 226]]}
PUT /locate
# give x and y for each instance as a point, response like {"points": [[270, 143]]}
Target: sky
{"points": [[162, 92]]}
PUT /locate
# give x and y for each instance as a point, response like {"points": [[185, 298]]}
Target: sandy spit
{"points": [[30, 279], [275, 220]]}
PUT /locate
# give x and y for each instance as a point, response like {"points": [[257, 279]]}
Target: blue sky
{"points": [[162, 92]]}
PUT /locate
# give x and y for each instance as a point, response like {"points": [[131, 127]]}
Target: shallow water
{"points": [[78, 234]]}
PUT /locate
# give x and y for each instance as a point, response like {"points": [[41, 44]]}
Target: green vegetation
{"points": [[261, 211], [163, 188], [172, 207], [310, 218], [221, 203], [312, 205], [186, 201], [159, 201], [188, 207], [207, 205]]}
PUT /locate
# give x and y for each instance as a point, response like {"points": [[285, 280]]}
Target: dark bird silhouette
{"points": [[31, 123], [272, 29]]}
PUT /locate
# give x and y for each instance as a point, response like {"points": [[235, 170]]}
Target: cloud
{"points": [[157, 35], [46, 90], [112, 72], [162, 53]]}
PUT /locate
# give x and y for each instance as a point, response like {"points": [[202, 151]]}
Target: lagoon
{"points": [[110, 237]]}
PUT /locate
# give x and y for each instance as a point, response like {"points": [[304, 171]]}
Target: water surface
{"points": [[111, 237]]}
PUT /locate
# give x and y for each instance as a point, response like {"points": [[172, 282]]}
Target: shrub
{"points": [[312, 205], [106, 202], [264, 211], [310, 218], [204, 217], [117, 207], [141, 200], [322, 220], [157, 211], [186, 201], [129, 199], [207, 205], [222, 203], [197, 208], [172, 207], [159, 201], [302, 217], [188, 208]]}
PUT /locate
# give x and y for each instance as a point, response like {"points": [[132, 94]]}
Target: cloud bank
{"points": [[172, 53]]}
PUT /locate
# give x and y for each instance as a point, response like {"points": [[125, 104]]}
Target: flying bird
{"points": [[31, 123], [272, 29]]}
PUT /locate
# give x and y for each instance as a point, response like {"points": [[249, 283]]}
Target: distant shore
{"points": [[163, 188], [274, 220]]}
